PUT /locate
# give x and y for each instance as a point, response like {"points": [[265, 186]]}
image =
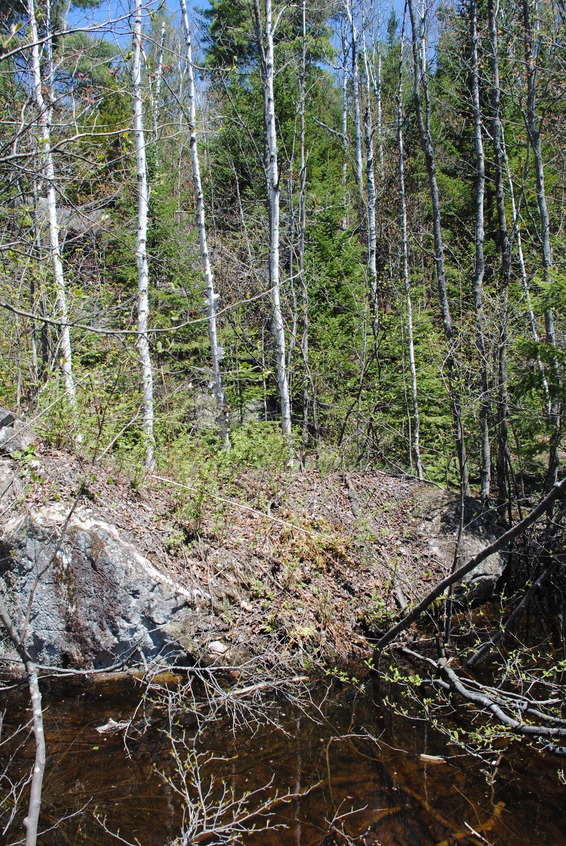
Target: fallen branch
{"points": [[486, 702], [514, 532], [495, 704], [502, 633]]}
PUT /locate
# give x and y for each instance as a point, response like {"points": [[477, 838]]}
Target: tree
{"points": [[210, 296], [264, 29], [534, 136], [44, 110], [479, 264], [141, 241], [405, 262], [423, 113]]}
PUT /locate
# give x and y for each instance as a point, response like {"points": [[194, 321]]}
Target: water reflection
{"points": [[401, 785]]}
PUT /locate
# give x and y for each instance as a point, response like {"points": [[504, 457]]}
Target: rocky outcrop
{"points": [[131, 573], [90, 596]]}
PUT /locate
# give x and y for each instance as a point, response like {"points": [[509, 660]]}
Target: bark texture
{"points": [[141, 241]]}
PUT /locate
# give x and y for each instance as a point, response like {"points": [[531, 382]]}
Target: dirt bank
{"points": [[300, 563]]}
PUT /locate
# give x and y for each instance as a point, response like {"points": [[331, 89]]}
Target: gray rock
{"points": [[15, 435], [6, 418], [442, 527], [93, 598], [217, 648]]}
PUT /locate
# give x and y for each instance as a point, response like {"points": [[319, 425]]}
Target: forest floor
{"points": [[296, 562]]}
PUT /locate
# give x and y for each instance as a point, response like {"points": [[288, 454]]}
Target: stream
{"points": [[357, 774]]}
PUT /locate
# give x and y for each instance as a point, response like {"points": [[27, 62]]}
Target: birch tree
{"points": [[359, 169], [505, 249], [265, 28], [371, 200], [157, 95], [210, 295], [141, 240], [535, 141], [309, 395], [415, 446], [44, 107]]}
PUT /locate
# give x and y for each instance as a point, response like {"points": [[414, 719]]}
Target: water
{"points": [[403, 786]]}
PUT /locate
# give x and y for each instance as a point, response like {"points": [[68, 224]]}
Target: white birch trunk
{"points": [[371, 201], [210, 294], [308, 382], [524, 278], [264, 33], [356, 100], [406, 278], [45, 113], [141, 241], [378, 87], [158, 79], [345, 143], [479, 268], [505, 248]]}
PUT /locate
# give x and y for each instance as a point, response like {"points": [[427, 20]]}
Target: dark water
{"points": [[372, 791]]}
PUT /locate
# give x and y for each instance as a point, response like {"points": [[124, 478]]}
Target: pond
{"points": [[355, 771]]}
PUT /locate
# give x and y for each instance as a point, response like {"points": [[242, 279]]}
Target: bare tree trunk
{"points": [[524, 278], [292, 335], [479, 267], [141, 242], [378, 87], [423, 119], [356, 100], [264, 34], [371, 201], [308, 386], [155, 110], [406, 278], [505, 248], [534, 135], [211, 296], [45, 116], [344, 88]]}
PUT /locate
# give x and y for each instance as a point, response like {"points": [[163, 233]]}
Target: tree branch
{"points": [[556, 492]]}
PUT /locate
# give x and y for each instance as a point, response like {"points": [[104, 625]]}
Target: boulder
{"points": [[442, 527], [15, 435], [92, 597]]}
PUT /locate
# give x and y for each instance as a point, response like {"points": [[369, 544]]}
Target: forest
{"points": [[322, 233], [256, 240]]}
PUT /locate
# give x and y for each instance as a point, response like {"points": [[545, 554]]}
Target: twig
{"points": [[499, 635]]}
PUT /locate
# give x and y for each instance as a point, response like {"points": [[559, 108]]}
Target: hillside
{"points": [[296, 561]]}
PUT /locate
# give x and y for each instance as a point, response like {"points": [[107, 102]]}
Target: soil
{"points": [[298, 562]]}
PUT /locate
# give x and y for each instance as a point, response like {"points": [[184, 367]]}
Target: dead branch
{"points": [[496, 702], [558, 491], [502, 633], [486, 702]]}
